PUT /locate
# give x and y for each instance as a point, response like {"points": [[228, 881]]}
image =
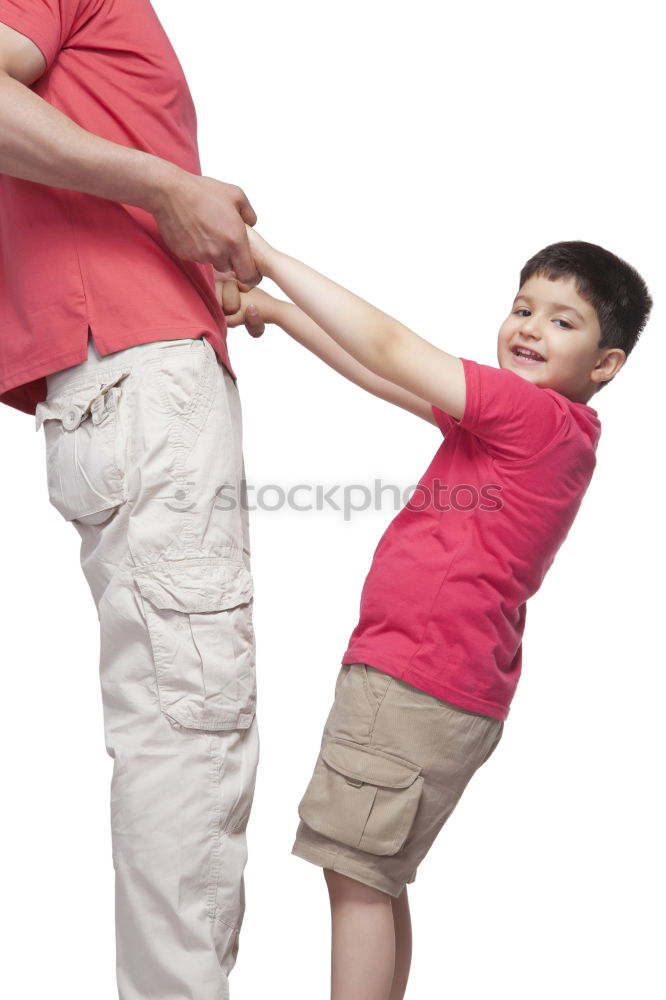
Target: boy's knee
{"points": [[342, 886]]}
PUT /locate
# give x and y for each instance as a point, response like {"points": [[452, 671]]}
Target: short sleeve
{"points": [[444, 420], [513, 418], [48, 23]]}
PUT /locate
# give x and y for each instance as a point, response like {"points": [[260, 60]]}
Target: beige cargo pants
{"points": [[143, 454]]}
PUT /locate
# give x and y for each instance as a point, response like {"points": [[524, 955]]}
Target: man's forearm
{"points": [[39, 143]]}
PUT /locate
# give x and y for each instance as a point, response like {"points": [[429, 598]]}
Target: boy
{"points": [[432, 666]]}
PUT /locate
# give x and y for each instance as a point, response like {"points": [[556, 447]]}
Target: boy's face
{"points": [[550, 318]]}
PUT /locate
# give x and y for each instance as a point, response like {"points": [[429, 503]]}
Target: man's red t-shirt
{"points": [[443, 606], [70, 261]]}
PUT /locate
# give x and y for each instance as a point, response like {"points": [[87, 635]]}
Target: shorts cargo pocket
{"points": [[85, 445], [199, 617], [362, 797]]}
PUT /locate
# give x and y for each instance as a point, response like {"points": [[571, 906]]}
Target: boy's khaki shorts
{"points": [[393, 764]]}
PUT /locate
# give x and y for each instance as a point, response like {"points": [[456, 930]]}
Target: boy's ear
{"points": [[608, 365]]}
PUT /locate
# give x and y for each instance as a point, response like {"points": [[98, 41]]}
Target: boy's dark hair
{"points": [[614, 288]]}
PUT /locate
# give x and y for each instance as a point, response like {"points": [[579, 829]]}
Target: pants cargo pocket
{"points": [[85, 441], [362, 797], [199, 617]]}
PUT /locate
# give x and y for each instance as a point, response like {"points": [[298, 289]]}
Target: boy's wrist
{"points": [[275, 310], [265, 256], [270, 261], [268, 306]]}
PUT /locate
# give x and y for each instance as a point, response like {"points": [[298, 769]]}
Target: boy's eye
{"points": [[565, 325], [519, 311]]}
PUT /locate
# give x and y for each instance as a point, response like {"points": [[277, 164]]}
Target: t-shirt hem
{"points": [[154, 333], [428, 685], [32, 373]]}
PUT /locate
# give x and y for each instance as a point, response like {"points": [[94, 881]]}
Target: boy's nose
{"points": [[530, 328]]}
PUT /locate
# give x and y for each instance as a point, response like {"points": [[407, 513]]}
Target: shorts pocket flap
{"points": [[369, 766], [362, 797], [79, 400], [195, 585]]}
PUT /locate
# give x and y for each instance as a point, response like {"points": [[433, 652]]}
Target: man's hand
{"points": [[204, 220]]}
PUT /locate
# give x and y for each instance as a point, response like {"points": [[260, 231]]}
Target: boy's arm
{"points": [[306, 332], [377, 341]]}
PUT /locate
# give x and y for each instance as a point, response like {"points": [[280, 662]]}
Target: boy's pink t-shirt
{"points": [[443, 606], [69, 261]]}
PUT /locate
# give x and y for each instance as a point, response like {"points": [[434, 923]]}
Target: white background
{"points": [[419, 154]]}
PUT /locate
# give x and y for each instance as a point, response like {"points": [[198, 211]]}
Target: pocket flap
{"points": [[195, 585], [82, 397], [369, 766]]}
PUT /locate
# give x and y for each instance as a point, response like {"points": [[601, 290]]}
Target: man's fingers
{"points": [[254, 324], [245, 268], [247, 213], [223, 275], [231, 300]]}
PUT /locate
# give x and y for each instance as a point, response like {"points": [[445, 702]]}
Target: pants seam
{"points": [[216, 852]]}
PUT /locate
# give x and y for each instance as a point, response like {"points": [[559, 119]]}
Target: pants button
{"points": [[71, 418]]}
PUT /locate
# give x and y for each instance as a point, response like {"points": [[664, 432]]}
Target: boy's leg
{"points": [[362, 940], [371, 941], [403, 945], [393, 764]]}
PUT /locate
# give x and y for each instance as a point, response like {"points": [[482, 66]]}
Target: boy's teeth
{"points": [[528, 354]]}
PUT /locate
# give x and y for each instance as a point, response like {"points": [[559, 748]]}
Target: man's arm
{"points": [[377, 341], [306, 332], [199, 218]]}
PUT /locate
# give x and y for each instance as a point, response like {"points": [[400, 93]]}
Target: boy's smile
{"points": [[551, 338]]}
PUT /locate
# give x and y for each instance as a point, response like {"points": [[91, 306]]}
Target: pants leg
{"points": [[144, 458]]}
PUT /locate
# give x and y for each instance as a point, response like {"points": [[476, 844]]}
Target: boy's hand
{"points": [[241, 303], [244, 305], [228, 293]]}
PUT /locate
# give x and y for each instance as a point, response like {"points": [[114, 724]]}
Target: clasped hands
{"points": [[240, 303]]}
